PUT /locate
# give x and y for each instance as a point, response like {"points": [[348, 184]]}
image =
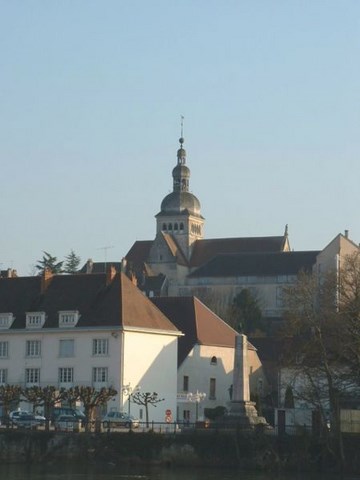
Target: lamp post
{"points": [[196, 397], [128, 390]]}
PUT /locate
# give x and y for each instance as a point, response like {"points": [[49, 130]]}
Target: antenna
{"points": [[182, 126], [106, 248]]}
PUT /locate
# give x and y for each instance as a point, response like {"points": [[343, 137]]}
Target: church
{"points": [[181, 262]]}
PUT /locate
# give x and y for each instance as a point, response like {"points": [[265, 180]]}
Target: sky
{"points": [[91, 95]]}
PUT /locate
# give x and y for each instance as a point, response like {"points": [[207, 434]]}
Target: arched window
{"points": [[176, 227], [170, 226], [181, 226], [213, 360], [164, 226]]}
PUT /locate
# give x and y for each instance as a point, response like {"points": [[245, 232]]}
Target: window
{"points": [[212, 395], [164, 227], [100, 374], [181, 226], [100, 346], [6, 320], [176, 227], [186, 416], [66, 375], [32, 376], [213, 361], [279, 297], [33, 348], [68, 318], [3, 376], [186, 383], [35, 319], [4, 349], [66, 348]]}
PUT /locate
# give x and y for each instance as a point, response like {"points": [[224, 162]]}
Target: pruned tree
{"points": [[49, 262], [71, 263], [146, 399], [91, 398], [46, 397], [245, 313], [9, 397]]}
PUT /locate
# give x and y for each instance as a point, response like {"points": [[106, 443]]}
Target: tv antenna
{"points": [[106, 248]]}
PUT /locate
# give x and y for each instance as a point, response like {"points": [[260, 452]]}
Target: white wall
{"points": [[150, 361]]}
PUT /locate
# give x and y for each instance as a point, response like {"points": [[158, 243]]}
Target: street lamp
{"points": [[196, 397], [128, 390]]}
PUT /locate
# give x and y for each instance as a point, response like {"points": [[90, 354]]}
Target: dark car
{"points": [[71, 412]]}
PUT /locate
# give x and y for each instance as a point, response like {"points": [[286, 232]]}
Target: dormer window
{"points": [[68, 318], [35, 319], [6, 320]]}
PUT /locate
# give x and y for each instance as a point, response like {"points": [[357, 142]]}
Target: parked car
{"points": [[119, 419], [67, 423], [15, 415], [72, 412], [27, 420]]}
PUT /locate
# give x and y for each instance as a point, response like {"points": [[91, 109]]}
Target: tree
{"points": [[46, 397], [245, 313], [49, 262], [72, 262], [9, 397], [323, 337], [146, 399], [91, 398]]}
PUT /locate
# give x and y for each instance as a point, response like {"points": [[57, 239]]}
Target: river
{"points": [[21, 472]]}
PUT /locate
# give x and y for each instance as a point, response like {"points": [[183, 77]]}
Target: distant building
{"points": [[181, 262]]}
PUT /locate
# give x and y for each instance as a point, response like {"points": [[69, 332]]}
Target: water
{"points": [[21, 472]]}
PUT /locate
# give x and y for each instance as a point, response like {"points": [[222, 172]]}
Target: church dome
{"points": [[180, 202]]}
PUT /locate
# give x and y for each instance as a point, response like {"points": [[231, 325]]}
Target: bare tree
{"points": [[46, 397], [323, 332], [9, 396], [91, 398], [146, 399]]}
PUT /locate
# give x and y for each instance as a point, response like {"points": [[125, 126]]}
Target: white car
{"points": [[120, 419]]}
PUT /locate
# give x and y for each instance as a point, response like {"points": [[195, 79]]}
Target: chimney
{"points": [[110, 274], [89, 266], [46, 279], [133, 279], [346, 233], [123, 265]]}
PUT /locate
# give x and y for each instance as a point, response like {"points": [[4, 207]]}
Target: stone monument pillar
{"points": [[242, 411]]}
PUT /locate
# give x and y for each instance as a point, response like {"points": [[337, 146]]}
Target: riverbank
{"points": [[248, 451]]}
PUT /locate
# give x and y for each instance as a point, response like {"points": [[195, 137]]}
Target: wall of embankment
{"points": [[199, 448]]}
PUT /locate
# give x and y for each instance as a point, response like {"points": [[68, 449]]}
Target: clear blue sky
{"points": [[91, 94]]}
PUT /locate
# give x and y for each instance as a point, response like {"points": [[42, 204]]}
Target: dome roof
{"points": [[181, 171], [180, 202]]}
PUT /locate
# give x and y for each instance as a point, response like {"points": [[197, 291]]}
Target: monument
{"points": [[242, 411]]}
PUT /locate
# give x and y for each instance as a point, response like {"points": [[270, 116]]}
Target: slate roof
{"points": [[268, 263], [199, 324], [101, 267], [118, 304], [138, 254], [206, 249]]}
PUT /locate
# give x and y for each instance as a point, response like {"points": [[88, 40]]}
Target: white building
{"points": [[205, 357], [98, 330]]}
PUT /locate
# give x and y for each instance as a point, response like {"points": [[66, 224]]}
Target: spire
{"points": [[181, 153]]}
